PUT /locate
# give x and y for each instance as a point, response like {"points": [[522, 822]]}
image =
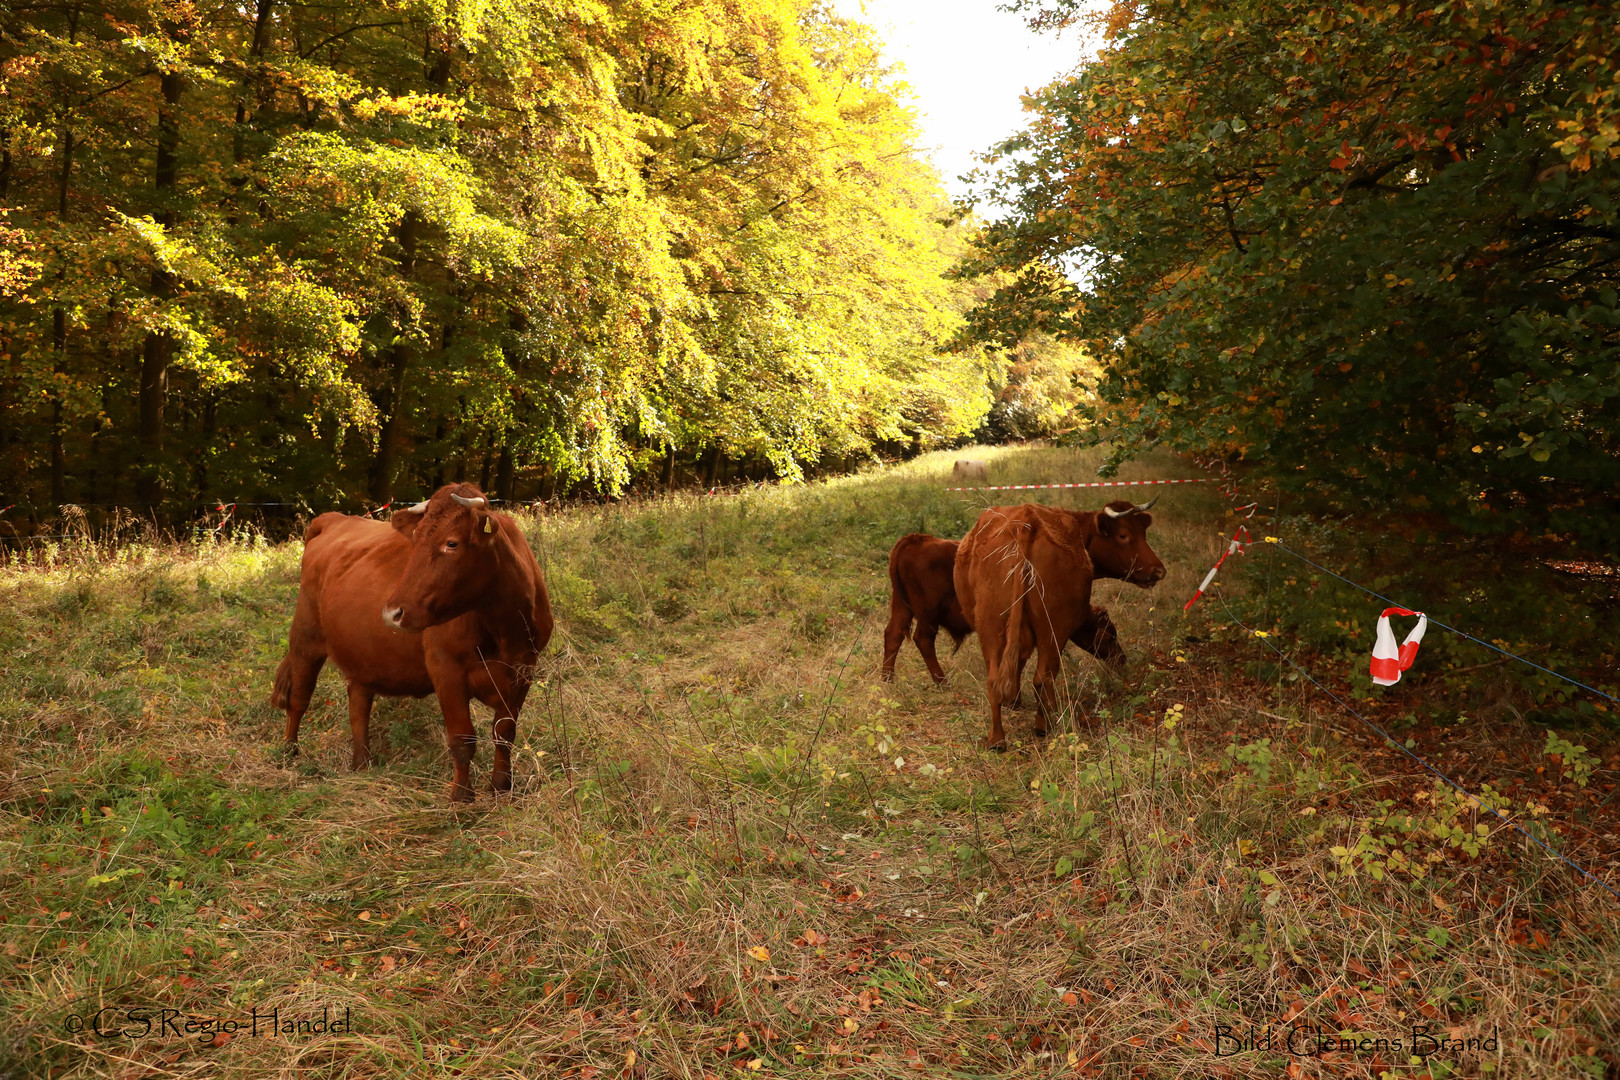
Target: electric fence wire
{"points": [[1264, 637], [1275, 542]]}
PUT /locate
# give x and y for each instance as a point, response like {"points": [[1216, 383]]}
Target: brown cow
{"points": [[445, 598], [1028, 569], [922, 586]]}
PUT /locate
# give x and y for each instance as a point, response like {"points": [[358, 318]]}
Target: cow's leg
{"points": [[294, 687], [894, 634], [507, 701], [990, 642], [461, 739], [924, 637], [1047, 665], [360, 725], [1026, 649]]}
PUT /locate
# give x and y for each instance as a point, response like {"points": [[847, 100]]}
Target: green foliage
{"points": [[328, 253], [1578, 762], [1384, 236]]}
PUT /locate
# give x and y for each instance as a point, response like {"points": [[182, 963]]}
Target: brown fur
{"points": [[922, 586], [469, 622], [1026, 572]]}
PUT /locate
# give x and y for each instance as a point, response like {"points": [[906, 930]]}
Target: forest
{"points": [[328, 254], [1341, 277]]}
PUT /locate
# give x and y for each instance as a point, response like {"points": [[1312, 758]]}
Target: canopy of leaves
{"points": [[1373, 249], [325, 251]]}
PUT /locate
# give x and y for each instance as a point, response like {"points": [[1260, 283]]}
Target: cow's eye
{"points": [[450, 545]]}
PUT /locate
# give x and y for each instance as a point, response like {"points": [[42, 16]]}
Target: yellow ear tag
{"points": [[487, 526]]}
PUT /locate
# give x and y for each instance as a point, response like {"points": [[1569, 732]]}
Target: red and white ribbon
{"points": [[1099, 483], [1231, 549], [1388, 661]]}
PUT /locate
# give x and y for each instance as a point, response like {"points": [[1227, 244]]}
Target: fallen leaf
{"points": [[760, 953], [365, 916], [389, 963], [222, 1038]]}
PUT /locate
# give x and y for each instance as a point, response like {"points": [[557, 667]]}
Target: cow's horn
{"points": [[477, 504], [1111, 512], [419, 508], [1145, 507]]}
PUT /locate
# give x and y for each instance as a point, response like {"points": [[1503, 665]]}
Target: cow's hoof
{"points": [[500, 784], [461, 794], [1040, 733], [998, 747], [362, 764], [286, 750]]}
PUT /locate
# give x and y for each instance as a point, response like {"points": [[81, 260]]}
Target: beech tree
{"points": [[354, 250]]}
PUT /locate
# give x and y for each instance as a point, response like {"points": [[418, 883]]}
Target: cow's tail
{"points": [[1007, 677], [281, 690], [897, 588]]}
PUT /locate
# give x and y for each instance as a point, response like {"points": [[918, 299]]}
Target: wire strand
{"points": [[1474, 799], [1274, 542]]}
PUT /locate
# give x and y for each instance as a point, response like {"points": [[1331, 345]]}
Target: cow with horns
{"points": [[444, 598], [1026, 572]]}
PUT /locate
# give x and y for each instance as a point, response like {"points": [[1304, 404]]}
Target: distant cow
{"points": [[922, 586], [971, 471], [1028, 570], [445, 598]]}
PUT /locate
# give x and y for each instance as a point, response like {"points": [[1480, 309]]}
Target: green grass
{"points": [[728, 844]]}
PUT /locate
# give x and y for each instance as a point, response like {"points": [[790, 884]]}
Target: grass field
{"points": [[730, 850]]}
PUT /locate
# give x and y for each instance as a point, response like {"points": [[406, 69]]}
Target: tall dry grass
{"points": [[730, 849]]}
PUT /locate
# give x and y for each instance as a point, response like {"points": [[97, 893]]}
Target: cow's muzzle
{"points": [[395, 617]]}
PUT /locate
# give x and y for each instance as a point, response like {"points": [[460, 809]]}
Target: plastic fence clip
{"points": [[1232, 548], [1273, 540], [1388, 661]]}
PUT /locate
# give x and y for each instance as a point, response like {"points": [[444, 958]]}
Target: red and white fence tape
{"points": [[1388, 661], [1096, 484], [1231, 549]]}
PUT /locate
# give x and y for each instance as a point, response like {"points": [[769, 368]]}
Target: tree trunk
{"points": [[59, 339], [158, 348], [503, 475], [669, 470], [714, 468], [382, 470]]}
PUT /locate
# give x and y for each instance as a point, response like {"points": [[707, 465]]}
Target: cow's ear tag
{"points": [[488, 527]]}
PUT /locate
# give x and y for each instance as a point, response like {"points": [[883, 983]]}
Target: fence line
{"points": [[1264, 638]]}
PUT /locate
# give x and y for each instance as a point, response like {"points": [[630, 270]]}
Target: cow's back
{"points": [[350, 566]]}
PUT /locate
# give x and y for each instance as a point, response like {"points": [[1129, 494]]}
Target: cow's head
{"points": [[453, 561], [1118, 546]]}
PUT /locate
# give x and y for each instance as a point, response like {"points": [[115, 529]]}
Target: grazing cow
{"points": [[1027, 570], [969, 471], [444, 598], [922, 586]]}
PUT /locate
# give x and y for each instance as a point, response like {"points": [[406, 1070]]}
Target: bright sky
{"points": [[968, 63]]}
